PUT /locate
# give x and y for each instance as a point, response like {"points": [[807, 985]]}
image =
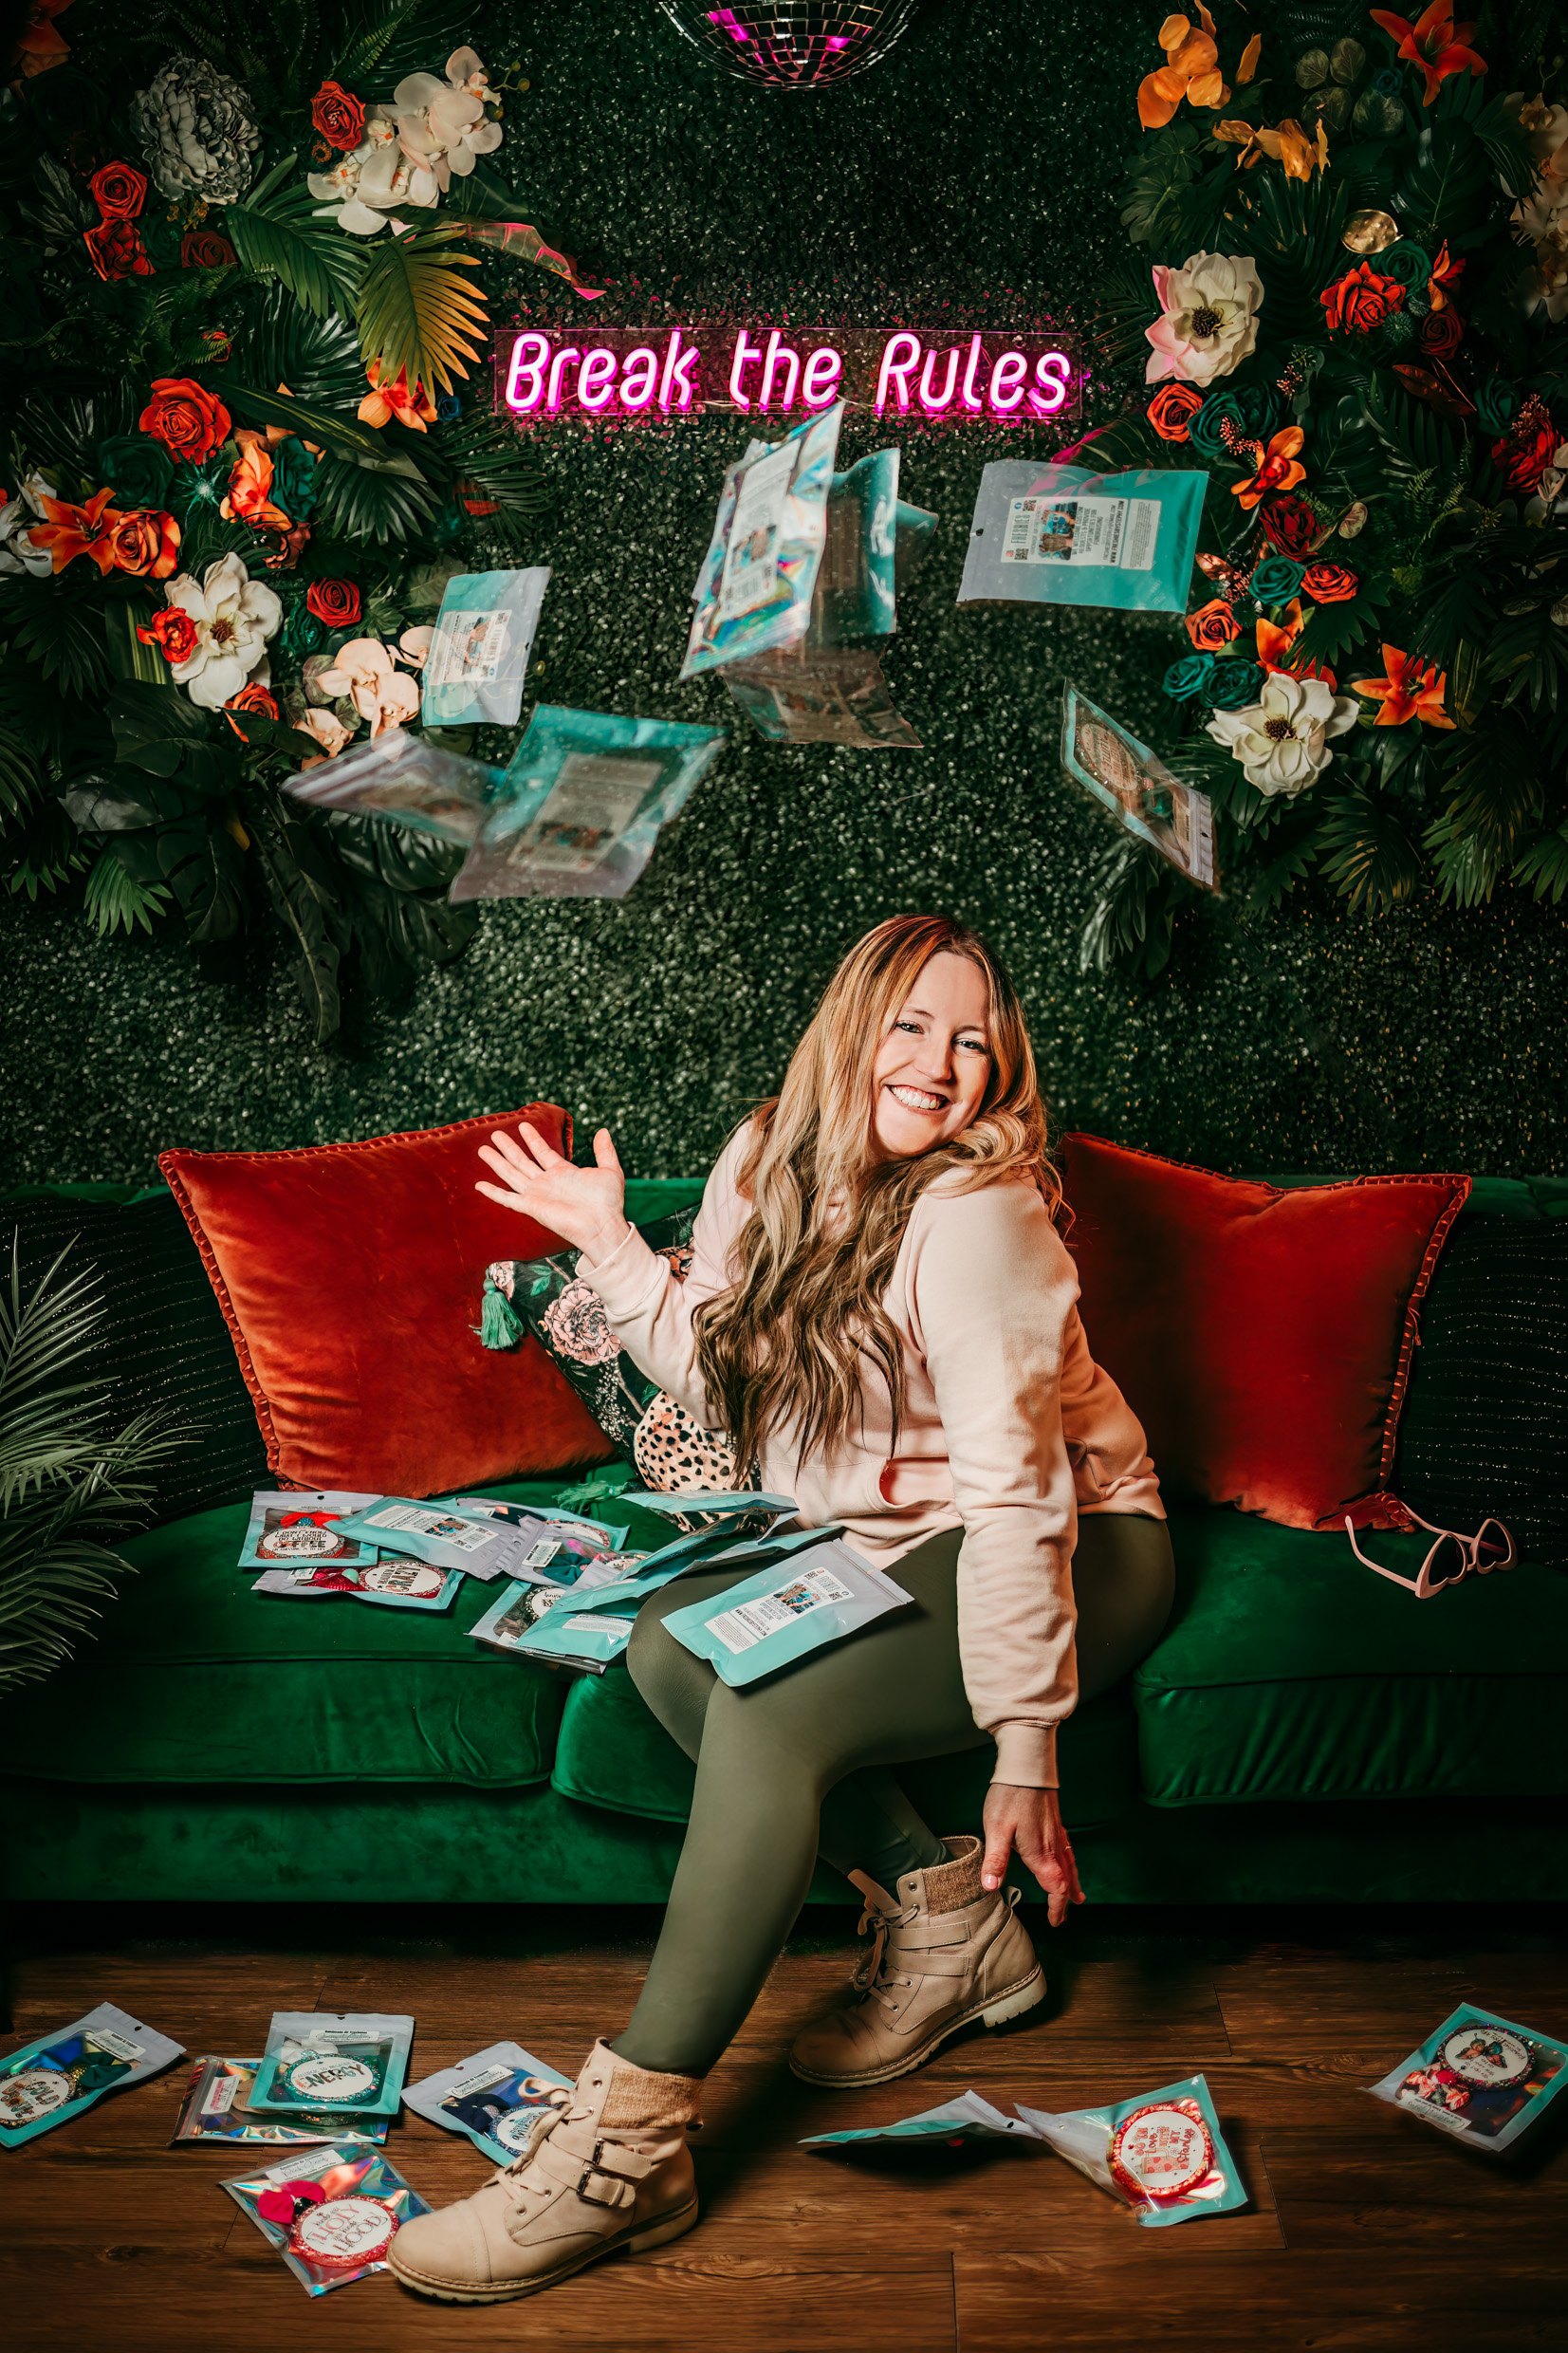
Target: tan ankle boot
{"points": [[613, 2170], [944, 1952]]}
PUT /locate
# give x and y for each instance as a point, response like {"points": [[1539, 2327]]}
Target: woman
{"points": [[882, 1313]]}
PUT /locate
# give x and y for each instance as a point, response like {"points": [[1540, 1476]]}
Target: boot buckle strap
{"points": [[630, 2168]]}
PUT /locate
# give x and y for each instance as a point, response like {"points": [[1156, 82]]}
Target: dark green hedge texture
{"points": [[970, 178]]}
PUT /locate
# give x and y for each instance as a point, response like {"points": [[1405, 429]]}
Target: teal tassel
{"points": [[498, 1324]]}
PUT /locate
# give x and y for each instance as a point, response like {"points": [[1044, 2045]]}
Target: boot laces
{"points": [[872, 1979], [513, 2179]]}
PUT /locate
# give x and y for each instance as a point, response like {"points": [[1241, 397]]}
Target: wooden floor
{"points": [[1364, 2228]]}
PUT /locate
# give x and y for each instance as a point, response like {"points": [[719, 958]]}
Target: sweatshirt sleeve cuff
{"points": [[1025, 1755], [626, 1278]]}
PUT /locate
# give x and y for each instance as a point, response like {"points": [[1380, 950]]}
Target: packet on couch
{"points": [[1480, 2077], [447, 1536], [559, 1548], [497, 2098], [575, 1638], [57, 2076], [1162, 2154], [968, 2118], [297, 1528], [776, 1617], [720, 1505], [389, 1580], [332, 2213], [479, 656], [1126, 779], [1066, 535], [217, 2108], [405, 779], [758, 577], [351, 2059]]}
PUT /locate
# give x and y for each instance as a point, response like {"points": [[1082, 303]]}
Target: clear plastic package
{"points": [[968, 2118], [769, 1620], [300, 1528], [1066, 535], [1162, 2154], [216, 2107], [560, 1548], [332, 2213], [407, 779], [1480, 2077], [809, 694], [479, 656], [496, 2098], [386, 1579], [1124, 778], [574, 1637], [580, 811], [58, 2076], [354, 2060], [759, 576]]}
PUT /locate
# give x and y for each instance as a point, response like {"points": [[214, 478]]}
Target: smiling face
{"points": [[933, 1067]]}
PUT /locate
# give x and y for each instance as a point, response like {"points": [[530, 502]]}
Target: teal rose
{"points": [[1276, 580], [302, 633], [138, 468], [294, 479], [1253, 410], [1234, 685], [1189, 679], [1404, 261], [1495, 403]]}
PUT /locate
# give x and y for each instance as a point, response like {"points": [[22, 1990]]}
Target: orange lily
{"points": [[73, 531], [1410, 690], [383, 401], [250, 484], [1289, 145], [1274, 643], [1445, 274], [1191, 70], [38, 44], [1434, 45], [1278, 467]]}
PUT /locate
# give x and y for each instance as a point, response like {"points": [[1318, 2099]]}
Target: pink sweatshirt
{"points": [[1010, 1429]]}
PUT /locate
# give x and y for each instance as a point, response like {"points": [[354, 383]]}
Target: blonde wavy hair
{"points": [[783, 1346]]}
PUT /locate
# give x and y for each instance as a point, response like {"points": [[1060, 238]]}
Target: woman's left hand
{"points": [[1028, 1823]]}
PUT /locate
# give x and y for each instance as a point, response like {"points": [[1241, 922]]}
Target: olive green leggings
{"points": [[800, 1764]]}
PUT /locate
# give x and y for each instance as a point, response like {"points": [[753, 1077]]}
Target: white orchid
{"points": [[370, 184], [234, 616], [1280, 740], [17, 517], [442, 125], [363, 670], [1210, 322]]}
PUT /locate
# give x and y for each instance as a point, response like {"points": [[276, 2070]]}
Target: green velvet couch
{"points": [[1304, 1731]]}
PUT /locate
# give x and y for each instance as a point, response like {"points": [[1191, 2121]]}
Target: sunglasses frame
{"points": [[1423, 1586]]}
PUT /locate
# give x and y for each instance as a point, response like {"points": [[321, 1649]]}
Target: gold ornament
{"points": [[1369, 233], [1352, 521]]}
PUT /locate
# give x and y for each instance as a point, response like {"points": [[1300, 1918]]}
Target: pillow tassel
{"points": [[499, 1326]]}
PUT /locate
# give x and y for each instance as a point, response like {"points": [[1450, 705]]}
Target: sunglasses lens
{"points": [[1448, 1563], [1493, 1542]]}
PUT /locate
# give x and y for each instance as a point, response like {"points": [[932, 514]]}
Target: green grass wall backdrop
{"points": [[969, 177]]}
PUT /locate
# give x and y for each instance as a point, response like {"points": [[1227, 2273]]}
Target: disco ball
{"points": [[791, 45]]}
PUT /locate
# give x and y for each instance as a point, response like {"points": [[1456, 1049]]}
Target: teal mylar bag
{"points": [[968, 2118], [56, 2077], [322, 2059], [1162, 2154], [705, 1549], [1066, 535], [856, 587], [781, 1613], [758, 577], [479, 652]]}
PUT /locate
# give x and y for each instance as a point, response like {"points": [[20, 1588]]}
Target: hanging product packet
{"points": [[405, 778], [579, 812], [968, 2118], [776, 1617], [444, 1536], [913, 528], [856, 587], [60, 2075], [1480, 2077], [804, 694], [386, 1579], [759, 576], [497, 2098], [351, 2059], [1125, 778], [1066, 535], [332, 2213], [217, 2108], [1162, 2154], [302, 1528], [479, 654]]}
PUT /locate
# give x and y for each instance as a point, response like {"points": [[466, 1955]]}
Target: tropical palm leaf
{"points": [[417, 318], [318, 358], [352, 503], [46, 1422], [282, 230], [1367, 853], [20, 782], [360, 443], [1544, 866], [401, 37], [115, 902]]}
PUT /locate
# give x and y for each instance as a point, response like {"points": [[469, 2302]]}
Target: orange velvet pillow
{"points": [[346, 1272], [1263, 1337]]}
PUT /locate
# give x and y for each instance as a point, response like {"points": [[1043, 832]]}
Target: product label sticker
{"points": [[1162, 2151], [330, 2079], [543, 1553], [467, 649], [410, 1577], [751, 1622], [1489, 2056], [303, 1536], [462, 1533], [485, 2080], [307, 2168], [592, 802], [35, 2092], [220, 2095], [1119, 531], [118, 2046], [751, 559], [344, 2230]]}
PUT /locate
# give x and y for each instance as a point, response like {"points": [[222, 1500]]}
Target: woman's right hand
{"points": [[586, 1206]]}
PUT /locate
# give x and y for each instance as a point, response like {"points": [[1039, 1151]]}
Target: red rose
{"points": [[145, 543], [116, 249], [1212, 625], [1359, 300], [338, 116], [119, 190], [336, 602], [250, 698], [1329, 583], [1173, 409], [203, 249], [1289, 525], [173, 632], [1521, 458], [1441, 333], [190, 423]]}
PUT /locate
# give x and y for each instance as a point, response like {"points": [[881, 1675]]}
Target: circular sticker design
{"points": [[307, 1540], [1488, 2055], [345, 2231], [34, 2092], [329, 2079], [1162, 2151], [513, 2128], [408, 1577]]}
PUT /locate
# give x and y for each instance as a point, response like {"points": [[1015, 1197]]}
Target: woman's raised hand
{"points": [[586, 1206], [1028, 1822]]}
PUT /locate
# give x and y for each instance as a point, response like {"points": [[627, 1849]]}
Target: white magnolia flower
{"points": [[371, 182], [443, 124], [1280, 740], [17, 517], [234, 616], [1210, 323]]}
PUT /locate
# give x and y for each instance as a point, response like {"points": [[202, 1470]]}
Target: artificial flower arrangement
{"points": [[245, 293], [1360, 272]]}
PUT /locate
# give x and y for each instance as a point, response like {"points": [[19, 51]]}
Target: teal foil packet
{"points": [[722, 1505], [405, 781], [1480, 2078], [780, 1614], [573, 1638], [562, 1546], [968, 2118], [61, 2075], [216, 2107], [302, 1528], [758, 577], [856, 588], [479, 656], [389, 1580], [351, 2060], [447, 1536], [498, 2097], [1066, 535], [1162, 2154], [580, 811], [913, 528]]}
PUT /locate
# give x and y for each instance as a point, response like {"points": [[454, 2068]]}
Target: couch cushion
{"points": [[1289, 1671]]}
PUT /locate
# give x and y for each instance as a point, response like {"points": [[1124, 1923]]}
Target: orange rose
{"points": [[190, 422], [338, 116], [145, 543], [1361, 300], [1329, 583], [1173, 409], [173, 632], [1212, 625], [250, 698], [251, 484]]}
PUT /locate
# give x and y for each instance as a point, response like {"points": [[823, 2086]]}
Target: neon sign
{"points": [[624, 373]]}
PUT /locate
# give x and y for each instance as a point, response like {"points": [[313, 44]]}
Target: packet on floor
{"points": [[332, 2213], [497, 2098], [1162, 2154], [759, 576], [806, 694], [1126, 778], [968, 2118], [388, 1578], [1480, 2077], [1066, 535], [217, 2108], [406, 779], [479, 654], [444, 1536], [351, 2059], [580, 809], [856, 595], [776, 1617], [299, 1528], [58, 2076]]}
